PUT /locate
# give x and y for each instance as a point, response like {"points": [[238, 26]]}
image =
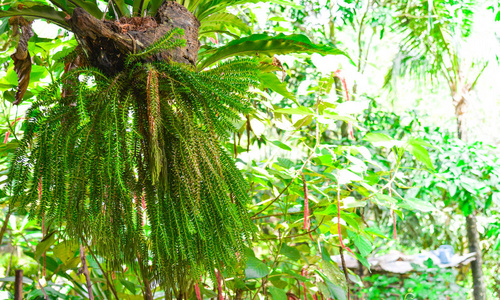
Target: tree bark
{"points": [[18, 285], [86, 272], [460, 92], [476, 265], [107, 43], [461, 110]]}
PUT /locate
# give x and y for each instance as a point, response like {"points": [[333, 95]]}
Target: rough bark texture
{"points": [[461, 108], [107, 43], [476, 265], [85, 271], [460, 92], [18, 285]]}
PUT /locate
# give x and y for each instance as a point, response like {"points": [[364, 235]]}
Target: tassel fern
{"points": [[151, 134]]}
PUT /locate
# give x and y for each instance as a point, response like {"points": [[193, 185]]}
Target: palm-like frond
{"points": [[431, 32]]}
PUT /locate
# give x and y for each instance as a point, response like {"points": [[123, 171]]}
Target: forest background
{"points": [[383, 127]]}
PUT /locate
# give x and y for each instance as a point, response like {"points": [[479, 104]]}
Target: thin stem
{"points": [[280, 214], [102, 270], [301, 234], [345, 272], [86, 273], [8, 268], [275, 261], [274, 200], [5, 223]]}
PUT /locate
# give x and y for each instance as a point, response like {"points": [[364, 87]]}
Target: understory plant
{"points": [[428, 282]]}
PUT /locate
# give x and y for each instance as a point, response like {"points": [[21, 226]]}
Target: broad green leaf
{"points": [[129, 285], [45, 244], [271, 81], [263, 44], [419, 141], [362, 260], [330, 210], [301, 110], [325, 160], [377, 137], [349, 220], [281, 145], [385, 200], [26, 280], [123, 9], [153, 7], [139, 6], [277, 19], [65, 251], [362, 243], [205, 8], [290, 252], [209, 293], [303, 122], [285, 163], [277, 293], [375, 231], [255, 269], [90, 6], [9, 80], [4, 25], [37, 73], [497, 245], [418, 204], [35, 10], [330, 289], [335, 116], [334, 274], [222, 20], [296, 275], [421, 154]]}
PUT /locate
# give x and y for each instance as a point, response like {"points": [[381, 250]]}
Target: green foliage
{"points": [[34, 9], [431, 283], [171, 40], [433, 36], [467, 174], [296, 129], [263, 44], [132, 165]]}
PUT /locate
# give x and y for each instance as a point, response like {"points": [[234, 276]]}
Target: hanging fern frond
{"points": [[171, 40], [149, 134]]}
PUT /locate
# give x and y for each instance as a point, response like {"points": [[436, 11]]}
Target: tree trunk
{"points": [[460, 93], [108, 43], [461, 110], [18, 285], [476, 265]]}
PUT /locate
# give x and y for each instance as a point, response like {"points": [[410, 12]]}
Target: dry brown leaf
{"points": [[277, 63], [22, 58]]}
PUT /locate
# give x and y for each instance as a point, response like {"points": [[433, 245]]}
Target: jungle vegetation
{"points": [[241, 149]]}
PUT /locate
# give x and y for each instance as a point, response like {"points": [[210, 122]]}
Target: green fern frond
{"points": [[171, 40], [150, 134]]}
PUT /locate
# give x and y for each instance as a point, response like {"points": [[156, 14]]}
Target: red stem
{"points": [[339, 74], [43, 226], [8, 132], [307, 223], [304, 273], [338, 216], [197, 291], [219, 284]]}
